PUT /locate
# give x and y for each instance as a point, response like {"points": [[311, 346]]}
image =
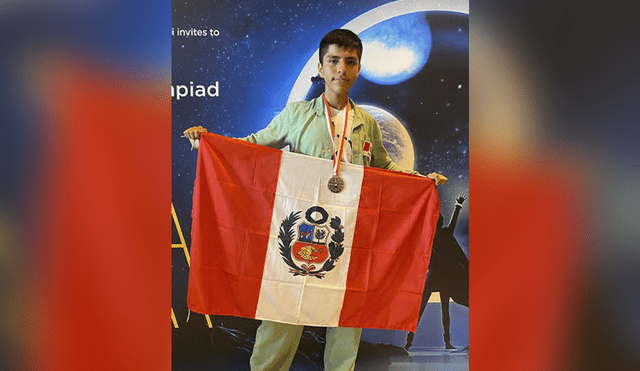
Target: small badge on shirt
{"points": [[366, 149]]}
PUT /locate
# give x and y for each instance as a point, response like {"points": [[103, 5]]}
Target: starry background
{"points": [[257, 57]]}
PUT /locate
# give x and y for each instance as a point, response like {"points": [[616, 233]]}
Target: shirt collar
{"points": [[318, 106]]}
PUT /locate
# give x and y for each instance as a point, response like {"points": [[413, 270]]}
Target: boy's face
{"points": [[340, 68]]}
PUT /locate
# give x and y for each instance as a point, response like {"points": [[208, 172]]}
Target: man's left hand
{"points": [[438, 178]]}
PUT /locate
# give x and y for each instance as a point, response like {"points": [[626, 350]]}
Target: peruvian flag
{"points": [[270, 241]]}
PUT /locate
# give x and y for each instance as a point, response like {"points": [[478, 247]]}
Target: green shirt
{"points": [[303, 127]]}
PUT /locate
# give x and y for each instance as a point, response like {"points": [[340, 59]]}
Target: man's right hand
{"points": [[193, 134]]}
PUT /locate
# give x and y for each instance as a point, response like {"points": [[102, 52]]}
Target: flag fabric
{"points": [[270, 241]]}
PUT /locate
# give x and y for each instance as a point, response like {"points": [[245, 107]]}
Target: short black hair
{"points": [[343, 38]]}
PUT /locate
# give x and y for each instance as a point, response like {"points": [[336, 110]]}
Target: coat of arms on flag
{"points": [[315, 251]]}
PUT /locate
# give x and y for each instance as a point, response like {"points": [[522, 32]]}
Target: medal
{"points": [[336, 182]]}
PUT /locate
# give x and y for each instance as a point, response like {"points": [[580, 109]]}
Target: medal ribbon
{"points": [[336, 159]]}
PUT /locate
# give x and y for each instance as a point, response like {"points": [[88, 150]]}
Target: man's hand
{"points": [[193, 134], [439, 178]]}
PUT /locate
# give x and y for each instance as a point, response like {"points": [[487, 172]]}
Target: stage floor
{"points": [[431, 360]]}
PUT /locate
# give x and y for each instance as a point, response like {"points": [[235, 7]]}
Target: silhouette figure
{"points": [[448, 273]]}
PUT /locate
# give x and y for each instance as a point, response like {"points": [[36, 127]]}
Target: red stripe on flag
{"points": [[395, 226], [232, 205]]}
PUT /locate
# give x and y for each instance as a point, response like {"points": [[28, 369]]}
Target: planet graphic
{"points": [[395, 49], [395, 138]]}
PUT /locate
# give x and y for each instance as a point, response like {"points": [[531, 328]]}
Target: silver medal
{"points": [[336, 184]]}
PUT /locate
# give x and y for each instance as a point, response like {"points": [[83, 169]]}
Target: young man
{"points": [[319, 128]]}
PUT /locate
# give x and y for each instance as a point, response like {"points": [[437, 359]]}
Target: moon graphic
{"points": [[395, 49], [395, 138], [368, 19]]}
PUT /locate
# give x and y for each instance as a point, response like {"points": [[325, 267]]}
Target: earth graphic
{"points": [[395, 138]]}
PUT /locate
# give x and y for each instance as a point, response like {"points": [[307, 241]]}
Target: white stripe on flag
{"points": [[302, 184]]}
